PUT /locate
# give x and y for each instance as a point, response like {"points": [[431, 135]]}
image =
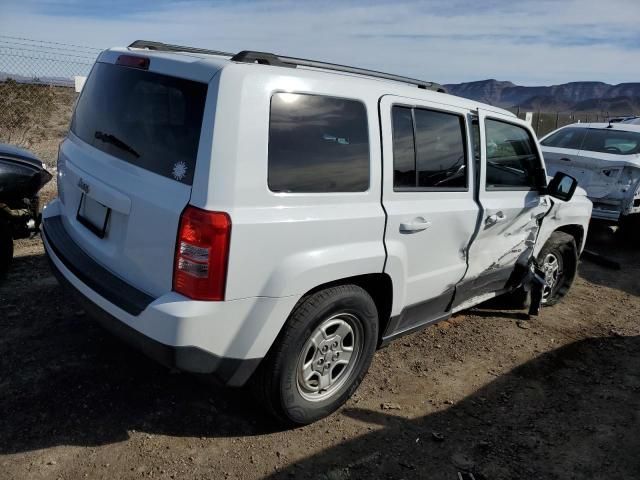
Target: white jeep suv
{"points": [[275, 220]]}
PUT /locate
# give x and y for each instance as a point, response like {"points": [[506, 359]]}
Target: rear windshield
{"points": [[150, 120]]}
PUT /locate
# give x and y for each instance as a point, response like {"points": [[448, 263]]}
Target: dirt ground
{"points": [[487, 392]]}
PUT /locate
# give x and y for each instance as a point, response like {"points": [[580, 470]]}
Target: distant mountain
{"points": [[575, 96]]}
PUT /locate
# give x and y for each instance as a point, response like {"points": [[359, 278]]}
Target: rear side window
{"points": [[512, 159], [569, 137], [428, 149], [317, 144], [147, 119], [617, 142]]}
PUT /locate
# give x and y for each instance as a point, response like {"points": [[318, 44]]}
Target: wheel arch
{"points": [[378, 285], [576, 231]]}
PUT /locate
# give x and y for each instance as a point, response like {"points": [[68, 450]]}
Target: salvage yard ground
{"points": [[487, 392]]}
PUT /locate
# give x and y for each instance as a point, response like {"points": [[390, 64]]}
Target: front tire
{"points": [[558, 259], [320, 357]]}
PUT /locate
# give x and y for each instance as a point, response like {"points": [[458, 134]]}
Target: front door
{"points": [[512, 207], [562, 147], [428, 199]]}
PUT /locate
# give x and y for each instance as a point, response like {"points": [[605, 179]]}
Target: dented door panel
{"points": [[509, 223]]}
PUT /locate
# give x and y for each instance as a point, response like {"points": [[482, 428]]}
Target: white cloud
{"points": [[536, 42]]}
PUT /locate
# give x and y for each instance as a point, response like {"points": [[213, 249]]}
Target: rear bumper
{"points": [[227, 339], [229, 371]]}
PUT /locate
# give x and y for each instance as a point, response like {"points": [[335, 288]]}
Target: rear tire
{"points": [[320, 357], [558, 259], [6, 248]]}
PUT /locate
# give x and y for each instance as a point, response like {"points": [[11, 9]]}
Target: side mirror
{"points": [[562, 186]]}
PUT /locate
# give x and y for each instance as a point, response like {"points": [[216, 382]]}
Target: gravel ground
{"points": [[487, 392]]}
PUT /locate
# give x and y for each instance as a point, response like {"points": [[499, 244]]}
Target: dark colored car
{"points": [[22, 175]]}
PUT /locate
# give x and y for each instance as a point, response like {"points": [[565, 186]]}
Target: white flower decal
{"points": [[179, 170]]}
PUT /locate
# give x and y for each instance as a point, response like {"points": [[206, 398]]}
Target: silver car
{"points": [[605, 159]]}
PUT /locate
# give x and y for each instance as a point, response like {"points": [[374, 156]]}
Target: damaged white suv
{"points": [[605, 159], [275, 220]]}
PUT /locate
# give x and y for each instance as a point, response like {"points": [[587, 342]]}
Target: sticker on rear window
{"points": [[179, 170]]}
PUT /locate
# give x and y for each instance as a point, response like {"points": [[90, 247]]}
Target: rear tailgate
{"points": [[127, 165]]}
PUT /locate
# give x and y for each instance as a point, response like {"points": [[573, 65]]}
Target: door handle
{"points": [[565, 159], [495, 218], [417, 225]]}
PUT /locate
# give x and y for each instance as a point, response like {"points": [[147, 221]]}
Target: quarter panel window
{"points": [[428, 149], [512, 159], [317, 144]]}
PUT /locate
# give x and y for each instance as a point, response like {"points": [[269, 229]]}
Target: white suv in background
{"points": [[605, 159], [275, 220]]}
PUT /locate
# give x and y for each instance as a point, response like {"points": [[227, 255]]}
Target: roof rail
{"points": [[264, 58], [166, 47], [279, 60]]}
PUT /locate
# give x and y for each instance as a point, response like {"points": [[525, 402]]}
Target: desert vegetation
{"points": [[35, 116]]}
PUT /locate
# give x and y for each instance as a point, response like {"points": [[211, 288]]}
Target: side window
{"points": [[440, 149], [428, 149], [569, 137], [317, 144], [617, 142], [512, 159]]}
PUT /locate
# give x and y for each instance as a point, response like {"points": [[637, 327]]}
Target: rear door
{"points": [[512, 207], [126, 167], [428, 198]]}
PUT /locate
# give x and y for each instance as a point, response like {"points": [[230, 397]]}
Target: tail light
{"points": [[202, 254]]}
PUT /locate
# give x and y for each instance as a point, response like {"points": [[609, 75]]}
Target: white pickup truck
{"points": [[275, 220]]}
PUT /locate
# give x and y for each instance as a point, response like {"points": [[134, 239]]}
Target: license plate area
{"points": [[93, 215]]}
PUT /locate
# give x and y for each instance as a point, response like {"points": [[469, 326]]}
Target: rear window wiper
{"points": [[113, 140]]}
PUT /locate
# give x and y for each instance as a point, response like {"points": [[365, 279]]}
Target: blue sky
{"points": [[537, 42]]}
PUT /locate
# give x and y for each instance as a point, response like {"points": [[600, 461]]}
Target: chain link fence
{"points": [[37, 91]]}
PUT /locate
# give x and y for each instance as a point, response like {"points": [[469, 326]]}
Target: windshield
{"points": [[150, 120]]}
